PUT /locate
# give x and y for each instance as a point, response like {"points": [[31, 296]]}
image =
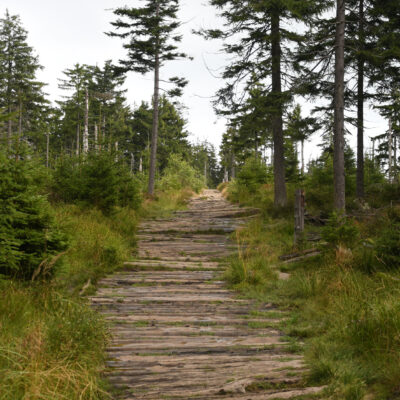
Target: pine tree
{"points": [[150, 31], [21, 94], [109, 112], [299, 129], [262, 49], [76, 82]]}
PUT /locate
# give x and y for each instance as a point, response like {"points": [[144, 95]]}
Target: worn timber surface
{"points": [[178, 332]]}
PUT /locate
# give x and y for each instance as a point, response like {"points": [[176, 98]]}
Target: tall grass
{"points": [[165, 203], [51, 346], [99, 243], [343, 303]]}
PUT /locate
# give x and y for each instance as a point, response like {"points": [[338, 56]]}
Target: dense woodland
{"points": [[77, 175]]}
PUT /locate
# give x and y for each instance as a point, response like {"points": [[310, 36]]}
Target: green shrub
{"points": [[388, 242], [28, 234], [340, 231], [179, 174], [253, 174], [319, 183], [97, 181]]}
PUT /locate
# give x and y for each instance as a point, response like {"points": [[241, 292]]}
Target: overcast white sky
{"points": [[65, 32]]}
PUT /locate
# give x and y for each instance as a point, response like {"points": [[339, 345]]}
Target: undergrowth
{"points": [[343, 303], [99, 244], [51, 346], [163, 204]]}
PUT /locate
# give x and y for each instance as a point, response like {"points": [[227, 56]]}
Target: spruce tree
{"points": [[262, 48], [76, 81], [109, 114], [299, 129], [21, 94], [151, 42]]}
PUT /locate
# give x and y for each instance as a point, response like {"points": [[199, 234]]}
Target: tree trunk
{"points": [[96, 138], [360, 107], [277, 122], [226, 175], [390, 151], [9, 108], [116, 145], [141, 164], [47, 149], [233, 166], [338, 137], [396, 175], [154, 133], [373, 152], [302, 157], [86, 130], [272, 155], [132, 163], [104, 133], [19, 135]]}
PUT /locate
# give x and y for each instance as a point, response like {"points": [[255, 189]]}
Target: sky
{"points": [[66, 32]]}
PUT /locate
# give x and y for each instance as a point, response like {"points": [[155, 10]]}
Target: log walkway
{"points": [[178, 332]]}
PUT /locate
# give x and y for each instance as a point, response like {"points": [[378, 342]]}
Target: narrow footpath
{"points": [[178, 332]]}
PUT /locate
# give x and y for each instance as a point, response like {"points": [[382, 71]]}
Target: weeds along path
{"points": [[178, 332]]}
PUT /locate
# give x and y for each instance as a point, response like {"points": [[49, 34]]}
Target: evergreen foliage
{"points": [[28, 234], [388, 243], [179, 174], [99, 182], [21, 94], [253, 174], [152, 40]]}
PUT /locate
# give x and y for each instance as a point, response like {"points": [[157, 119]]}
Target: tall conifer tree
{"points": [[262, 48], [151, 41], [21, 94]]}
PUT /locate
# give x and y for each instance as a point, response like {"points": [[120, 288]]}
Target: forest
{"points": [[79, 176]]}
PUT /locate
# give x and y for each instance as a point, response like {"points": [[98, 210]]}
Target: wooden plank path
{"points": [[178, 332]]}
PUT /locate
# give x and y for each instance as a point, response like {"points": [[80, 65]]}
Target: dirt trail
{"points": [[178, 332]]}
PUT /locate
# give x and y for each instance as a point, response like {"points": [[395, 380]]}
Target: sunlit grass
{"points": [[165, 203], [51, 347], [347, 314]]}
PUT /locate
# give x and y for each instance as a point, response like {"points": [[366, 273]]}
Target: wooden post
{"points": [[299, 215]]}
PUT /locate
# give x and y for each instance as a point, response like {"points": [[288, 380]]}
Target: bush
{"points": [[179, 174], [28, 234], [253, 174], [319, 179], [98, 181], [388, 243], [340, 231]]}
